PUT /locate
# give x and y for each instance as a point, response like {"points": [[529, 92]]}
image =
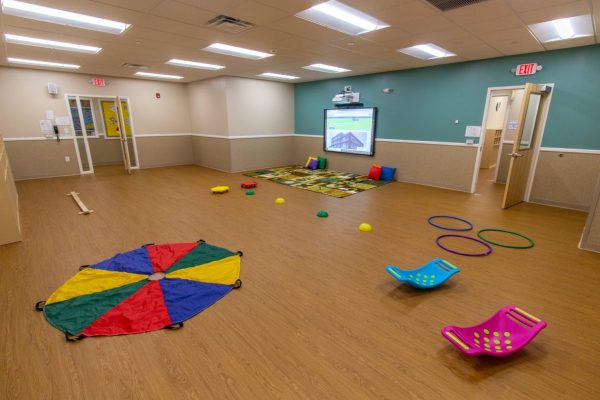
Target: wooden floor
{"points": [[317, 316]]}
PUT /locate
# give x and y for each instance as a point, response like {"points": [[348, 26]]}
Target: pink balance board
{"points": [[505, 332]]}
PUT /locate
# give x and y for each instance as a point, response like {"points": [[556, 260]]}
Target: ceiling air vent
{"points": [[132, 65], [229, 24], [446, 5]]}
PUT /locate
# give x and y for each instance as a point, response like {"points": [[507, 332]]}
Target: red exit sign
{"points": [[526, 69], [100, 82]]}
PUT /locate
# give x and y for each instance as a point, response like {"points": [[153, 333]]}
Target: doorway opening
{"points": [[512, 130], [103, 131]]}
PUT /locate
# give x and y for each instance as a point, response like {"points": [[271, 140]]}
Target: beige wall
{"points": [[428, 164], [590, 239], [24, 100], [504, 162], [208, 107], [248, 154], [256, 107], [31, 159], [160, 151], [105, 151], [565, 179], [212, 152], [230, 107]]}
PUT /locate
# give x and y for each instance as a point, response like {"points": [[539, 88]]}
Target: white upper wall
{"points": [[225, 106], [24, 100], [256, 107], [208, 106]]}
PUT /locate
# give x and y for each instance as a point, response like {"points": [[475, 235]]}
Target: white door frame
{"points": [[538, 141], [107, 97], [503, 134], [83, 134]]}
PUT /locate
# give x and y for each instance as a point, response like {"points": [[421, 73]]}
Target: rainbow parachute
{"points": [[149, 288]]}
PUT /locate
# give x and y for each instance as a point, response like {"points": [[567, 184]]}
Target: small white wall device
{"points": [[52, 88]]}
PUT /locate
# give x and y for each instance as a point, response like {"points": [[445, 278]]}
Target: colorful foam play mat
{"points": [[331, 183], [146, 289]]}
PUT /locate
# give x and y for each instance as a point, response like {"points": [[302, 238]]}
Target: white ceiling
{"points": [[165, 29]]}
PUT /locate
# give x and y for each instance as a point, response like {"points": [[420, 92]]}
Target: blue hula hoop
{"points": [[450, 217]]}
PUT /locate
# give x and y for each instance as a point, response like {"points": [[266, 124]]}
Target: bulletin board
{"points": [[111, 122]]}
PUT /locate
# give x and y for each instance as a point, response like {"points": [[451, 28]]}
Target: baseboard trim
{"points": [[404, 141], [559, 204], [243, 137], [45, 177], [565, 150], [165, 165], [153, 135], [589, 247]]}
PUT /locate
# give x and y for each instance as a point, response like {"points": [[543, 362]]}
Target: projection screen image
{"points": [[350, 130]]}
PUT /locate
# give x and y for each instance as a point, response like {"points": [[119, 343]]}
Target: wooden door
{"points": [[522, 154], [123, 133]]}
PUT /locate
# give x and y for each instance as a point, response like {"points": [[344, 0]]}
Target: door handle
{"points": [[515, 155]]}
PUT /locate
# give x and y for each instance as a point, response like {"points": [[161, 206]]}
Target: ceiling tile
{"points": [[262, 37], [516, 46], [373, 5], [291, 6], [571, 9], [307, 29], [217, 6], [406, 11], [486, 10], [136, 5], [563, 44], [516, 34], [429, 24], [183, 13], [257, 13], [478, 52], [529, 5], [392, 34], [164, 29], [496, 24]]}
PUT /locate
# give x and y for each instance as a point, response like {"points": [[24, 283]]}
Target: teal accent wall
{"points": [[426, 101]]}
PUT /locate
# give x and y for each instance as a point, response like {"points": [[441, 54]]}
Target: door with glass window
{"points": [[522, 154], [108, 139], [82, 119]]}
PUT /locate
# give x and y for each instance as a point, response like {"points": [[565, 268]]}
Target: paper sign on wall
{"points": [[513, 124], [473, 131], [46, 125], [49, 114], [63, 121]]}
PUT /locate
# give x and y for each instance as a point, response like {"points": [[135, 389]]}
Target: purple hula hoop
{"points": [[489, 248]]}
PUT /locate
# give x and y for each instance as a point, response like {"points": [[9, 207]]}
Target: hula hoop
{"points": [[450, 217], [489, 248], [530, 240]]}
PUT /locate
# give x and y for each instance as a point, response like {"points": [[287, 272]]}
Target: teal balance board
{"points": [[430, 275]]}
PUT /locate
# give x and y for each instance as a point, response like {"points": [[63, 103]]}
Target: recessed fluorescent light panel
{"points": [[326, 68], [158, 76], [50, 44], [278, 76], [56, 16], [236, 51], [194, 64], [343, 18], [564, 28], [37, 63], [427, 51]]}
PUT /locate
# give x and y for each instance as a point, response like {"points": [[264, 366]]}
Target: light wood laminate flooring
{"points": [[317, 316]]}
